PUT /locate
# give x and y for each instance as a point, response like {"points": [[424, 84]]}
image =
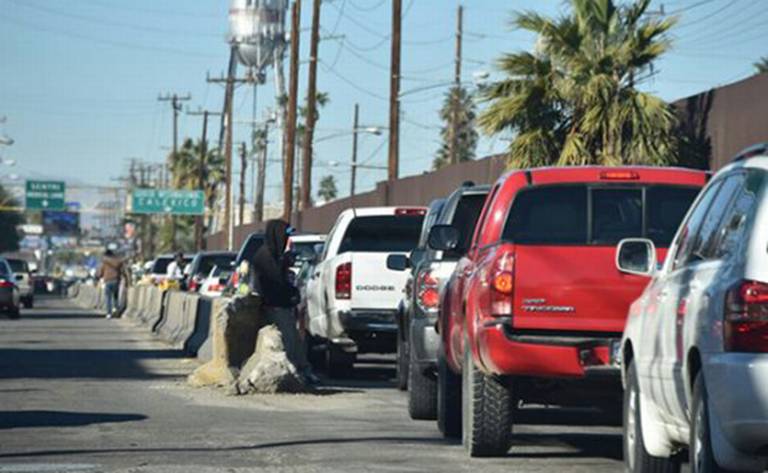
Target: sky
{"points": [[80, 79]]}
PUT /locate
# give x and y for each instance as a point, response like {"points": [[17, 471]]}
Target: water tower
{"points": [[257, 29]]}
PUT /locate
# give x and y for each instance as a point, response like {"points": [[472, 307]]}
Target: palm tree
{"points": [[574, 99], [762, 65], [459, 99]]}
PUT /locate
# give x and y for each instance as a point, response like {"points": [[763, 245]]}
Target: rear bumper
{"points": [[7, 300], [504, 351], [742, 413], [372, 330], [424, 341]]}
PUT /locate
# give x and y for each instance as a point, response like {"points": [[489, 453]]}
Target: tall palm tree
{"points": [[574, 99]]}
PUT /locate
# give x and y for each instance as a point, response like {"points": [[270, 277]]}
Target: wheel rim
{"points": [[630, 436], [698, 441]]}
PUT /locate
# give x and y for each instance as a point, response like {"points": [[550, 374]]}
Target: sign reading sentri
{"points": [[45, 195], [162, 201]]}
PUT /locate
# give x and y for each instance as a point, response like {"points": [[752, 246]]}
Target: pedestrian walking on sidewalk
{"points": [[110, 271], [269, 277]]}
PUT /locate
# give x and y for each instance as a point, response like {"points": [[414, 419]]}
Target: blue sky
{"points": [[80, 78]]}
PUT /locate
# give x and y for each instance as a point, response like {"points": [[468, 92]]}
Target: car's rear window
{"points": [[161, 265], [464, 219], [4, 269], [18, 266], [304, 250], [209, 261], [392, 233], [597, 215]]}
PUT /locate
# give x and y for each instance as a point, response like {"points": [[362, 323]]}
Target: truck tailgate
{"points": [[373, 285]]}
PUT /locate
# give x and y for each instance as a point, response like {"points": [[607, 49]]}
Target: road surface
{"points": [[79, 393]]}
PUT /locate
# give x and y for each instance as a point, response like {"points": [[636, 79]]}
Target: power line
{"points": [[707, 17], [328, 68], [368, 9], [691, 7]]}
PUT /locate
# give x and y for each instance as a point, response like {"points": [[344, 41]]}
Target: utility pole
{"points": [[261, 183], [243, 172], [355, 126], [175, 101], [202, 175], [290, 127], [394, 93], [306, 186], [455, 97]]}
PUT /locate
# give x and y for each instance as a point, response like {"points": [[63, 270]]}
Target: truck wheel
{"points": [[636, 458], [402, 364], [14, 314], [422, 393], [448, 399], [338, 362], [702, 459], [486, 411]]}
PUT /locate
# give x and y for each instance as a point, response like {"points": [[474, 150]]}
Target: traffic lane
{"points": [[151, 421]]}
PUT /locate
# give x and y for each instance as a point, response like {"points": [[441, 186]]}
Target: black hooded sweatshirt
{"points": [[269, 268]]}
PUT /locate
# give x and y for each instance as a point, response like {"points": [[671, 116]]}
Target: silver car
{"points": [[23, 277], [10, 297]]}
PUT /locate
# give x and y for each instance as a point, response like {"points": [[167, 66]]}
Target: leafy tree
{"points": [[9, 220], [460, 100], [573, 100], [762, 65], [328, 190]]}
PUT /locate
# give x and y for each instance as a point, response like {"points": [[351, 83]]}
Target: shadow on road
{"points": [[92, 363], [578, 445], [562, 416], [373, 373], [378, 441], [26, 419]]}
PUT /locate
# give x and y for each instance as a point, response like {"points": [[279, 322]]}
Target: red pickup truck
{"points": [[535, 311]]}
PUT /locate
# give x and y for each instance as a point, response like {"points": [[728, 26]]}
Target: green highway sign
{"points": [[45, 195], [164, 201]]}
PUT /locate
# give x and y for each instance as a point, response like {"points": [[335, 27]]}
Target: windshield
{"points": [[597, 215], [18, 266], [382, 234], [252, 245], [207, 262], [160, 265], [304, 251]]}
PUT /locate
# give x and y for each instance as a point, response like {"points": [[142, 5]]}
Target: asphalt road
{"points": [[79, 393]]}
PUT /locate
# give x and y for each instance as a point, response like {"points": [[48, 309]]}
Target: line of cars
{"points": [[17, 286], [519, 293]]}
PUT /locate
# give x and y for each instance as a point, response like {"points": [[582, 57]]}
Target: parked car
{"points": [[430, 270], [22, 275], [158, 272], [304, 248], [202, 264], [535, 311], [215, 283], [352, 297], [695, 348], [243, 259], [10, 297]]}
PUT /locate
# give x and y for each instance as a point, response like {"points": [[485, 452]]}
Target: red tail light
{"points": [[427, 288], [235, 279], [619, 175], [411, 211], [502, 282], [745, 326], [4, 283], [344, 281], [217, 288]]}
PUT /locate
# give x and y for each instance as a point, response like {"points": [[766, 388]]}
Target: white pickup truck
{"points": [[352, 298]]}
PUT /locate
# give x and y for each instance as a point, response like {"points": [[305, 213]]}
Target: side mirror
{"points": [[443, 238], [636, 256], [397, 262], [417, 256]]}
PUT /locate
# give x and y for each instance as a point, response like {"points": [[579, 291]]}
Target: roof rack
{"points": [[754, 150]]}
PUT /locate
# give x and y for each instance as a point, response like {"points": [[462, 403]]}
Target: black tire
{"points": [[487, 408], [29, 303], [422, 392], [339, 363], [14, 314], [314, 355], [448, 399], [636, 457], [402, 363], [701, 457]]}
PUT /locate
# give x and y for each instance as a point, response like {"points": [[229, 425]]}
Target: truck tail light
{"points": [[745, 327], [4, 283], [344, 281], [502, 282], [427, 288], [410, 211], [619, 175]]}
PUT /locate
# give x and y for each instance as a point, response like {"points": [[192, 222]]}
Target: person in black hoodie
{"points": [[269, 278]]}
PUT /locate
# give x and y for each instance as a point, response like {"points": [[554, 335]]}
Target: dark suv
{"points": [[429, 270]]}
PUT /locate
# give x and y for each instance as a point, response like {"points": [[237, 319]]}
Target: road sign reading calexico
{"points": [[161, 201], [45, 195]]}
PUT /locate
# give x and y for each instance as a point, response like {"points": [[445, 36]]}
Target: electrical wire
{"points": [[704, 18], [368, 9], [327, 68]]}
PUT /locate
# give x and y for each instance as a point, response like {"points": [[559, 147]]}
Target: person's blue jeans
{"points": [[110, 294]]}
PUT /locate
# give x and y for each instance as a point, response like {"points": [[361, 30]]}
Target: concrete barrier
{"points": [[207, 322], [179, 315], [152, 307], [234, 327]]}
